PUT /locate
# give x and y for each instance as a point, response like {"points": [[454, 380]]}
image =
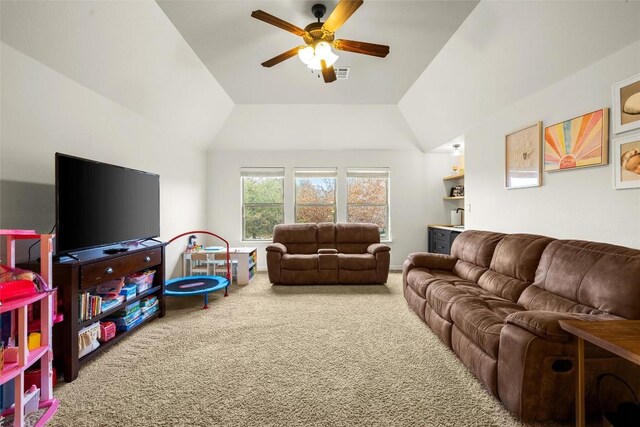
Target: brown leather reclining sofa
{"points": [[496, 302], [327, 253]]}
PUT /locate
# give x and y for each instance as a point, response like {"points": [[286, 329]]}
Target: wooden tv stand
{"points": [[91, 268]]}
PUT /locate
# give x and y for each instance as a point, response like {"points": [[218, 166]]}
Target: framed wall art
{"points": [[523, 159], [626, 161], [626, 104], [577, 143]]}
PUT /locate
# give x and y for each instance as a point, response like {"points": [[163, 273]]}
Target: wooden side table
{"points": [[620, 337]]}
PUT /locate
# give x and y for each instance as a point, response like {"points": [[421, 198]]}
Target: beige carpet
{"points": [[282, 356]]}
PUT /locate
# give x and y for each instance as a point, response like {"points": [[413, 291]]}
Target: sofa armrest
{"points": [[277, 247], [327, 251], [545, 324], [432, 261], [374, 248]]}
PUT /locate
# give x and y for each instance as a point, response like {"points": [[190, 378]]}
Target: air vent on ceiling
{"points": [[342, 73]]}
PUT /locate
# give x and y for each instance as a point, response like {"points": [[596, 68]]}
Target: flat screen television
{"points": [[98, 204]]}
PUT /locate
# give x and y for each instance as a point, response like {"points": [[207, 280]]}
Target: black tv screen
{"points": [[99, 204]]}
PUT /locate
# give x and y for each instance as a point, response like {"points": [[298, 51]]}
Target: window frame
{"points": [[383, 173], [265, 172], [331, 173]]}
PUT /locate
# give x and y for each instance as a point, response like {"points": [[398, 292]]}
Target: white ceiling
{"points": [[232, 45], [132, 53]]}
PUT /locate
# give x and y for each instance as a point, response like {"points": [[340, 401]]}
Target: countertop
{"points": [[447, 227]]}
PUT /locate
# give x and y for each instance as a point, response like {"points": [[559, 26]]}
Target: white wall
{"points": [[407, 191], [577, 204], [44, 112], [110, 81], [437, 165], [304, 127]]}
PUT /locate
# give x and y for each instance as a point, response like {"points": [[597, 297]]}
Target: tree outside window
{"points": [[262, 202], [368, 198], [315, 195]]}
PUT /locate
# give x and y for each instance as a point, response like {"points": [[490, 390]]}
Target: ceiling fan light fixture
{"points": [[321, 52], [306, 55]]}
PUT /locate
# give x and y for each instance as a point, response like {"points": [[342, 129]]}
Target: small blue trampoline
{"points": [[199, 285]]}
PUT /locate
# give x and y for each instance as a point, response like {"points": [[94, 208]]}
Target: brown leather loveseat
{"points": [[496, 302], [327, 253]]}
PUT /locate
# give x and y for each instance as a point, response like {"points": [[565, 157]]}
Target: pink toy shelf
{"points": [[26, 358]]}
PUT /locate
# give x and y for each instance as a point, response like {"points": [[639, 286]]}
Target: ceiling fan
{"points": [[320, 36]]}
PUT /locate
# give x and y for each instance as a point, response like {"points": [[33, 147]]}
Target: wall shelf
{"points": [[453, 177], [454, 198]]}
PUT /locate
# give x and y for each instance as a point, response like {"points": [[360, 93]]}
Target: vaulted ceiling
{"points": [[193, 67], [232, 45]]}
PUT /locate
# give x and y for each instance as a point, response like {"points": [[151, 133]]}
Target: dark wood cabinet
{"points": [[86, 270], [440, 240]]}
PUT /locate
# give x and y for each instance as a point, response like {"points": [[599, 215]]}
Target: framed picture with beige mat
{"points": [[626, 104], [626, 162], [523, 157]]}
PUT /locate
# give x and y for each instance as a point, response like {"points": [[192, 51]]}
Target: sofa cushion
{"points": [[514, 265], [474, 250], [419, 279], [481, 320], [597, 275], [298, 238], [326, 235], [476, 247], [299, 262], [534, 298], [432, 261], [357, 261], [355, 238], [442, 294]]}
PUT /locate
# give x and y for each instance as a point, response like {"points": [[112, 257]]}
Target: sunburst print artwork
{"points": [[579, 142]]}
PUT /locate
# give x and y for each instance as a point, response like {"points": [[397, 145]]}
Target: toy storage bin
{"points": [[142, 280], [107, 331], [88, 339], [111, 287]]}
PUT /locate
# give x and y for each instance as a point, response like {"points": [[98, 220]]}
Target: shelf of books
{"points": [[106, 296], [113, 308]]}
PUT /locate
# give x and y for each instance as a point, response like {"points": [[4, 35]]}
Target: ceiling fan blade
{"points": [[282, 57], [340, 14], [328, 73], [364, 48], [270, 19]]}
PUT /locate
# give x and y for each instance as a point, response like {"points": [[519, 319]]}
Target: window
{"points": [[368, 197], [262, 202], [315, 195]]}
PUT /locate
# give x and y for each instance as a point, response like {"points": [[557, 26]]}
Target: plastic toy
{"points": [[199, 285]]}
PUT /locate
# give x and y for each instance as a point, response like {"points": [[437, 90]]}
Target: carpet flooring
{"points": [[282, 356]]}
